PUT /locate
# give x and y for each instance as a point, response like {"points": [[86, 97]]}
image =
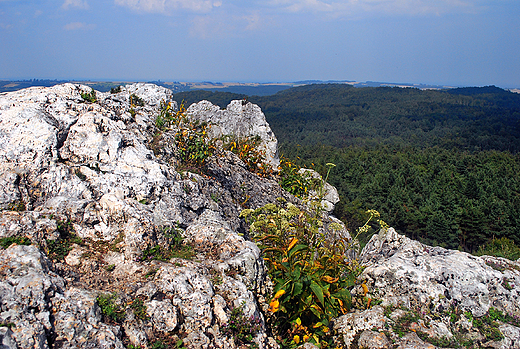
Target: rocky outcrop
{"points": [[239, 119], [446, 296], [111, 243], [96, 189]]}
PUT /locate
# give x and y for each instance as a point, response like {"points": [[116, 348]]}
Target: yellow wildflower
{"points": [[274, 306]]}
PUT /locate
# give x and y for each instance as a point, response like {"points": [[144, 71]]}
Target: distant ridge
{"points": [[245, 88]]}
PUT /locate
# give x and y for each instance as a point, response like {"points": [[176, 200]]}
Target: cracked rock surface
{"points": [[96, 188]]}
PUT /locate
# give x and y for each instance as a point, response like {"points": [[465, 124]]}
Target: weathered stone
{"points": [[239, 119], [163, 315], [352, 324], [373, 340], [78, 322], [328, 194]]}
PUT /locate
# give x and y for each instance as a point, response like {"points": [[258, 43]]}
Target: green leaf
{"points": [[343, 294], [297, 248], [316, 289], [297, 289]]}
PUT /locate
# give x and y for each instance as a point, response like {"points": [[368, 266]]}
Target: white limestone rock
{"points": [[239, 119], [441, 286], [328, 193]]}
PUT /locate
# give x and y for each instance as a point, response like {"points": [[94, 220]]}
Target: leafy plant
{"points": [[168, 117], [193, 143], [19, 240], [110, 308], [191, 138], [310, 273], [248, 150], [240, 327], [292, 180], [135, 101], [89, 96]]}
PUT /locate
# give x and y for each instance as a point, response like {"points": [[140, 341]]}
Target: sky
{"points": [[442, 42]]}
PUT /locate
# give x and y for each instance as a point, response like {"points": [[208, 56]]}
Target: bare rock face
{"points": [[438, 293]]}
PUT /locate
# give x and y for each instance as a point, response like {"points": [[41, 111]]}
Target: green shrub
{"points": [[109, 307], [193, 143], [139, 309], [296, 183], [59, 248], [310, 273], [247, 149], [191, 139], [135, 101], [167, 117], [89, 96], [503, 247], [115, 90], [19, 240]]}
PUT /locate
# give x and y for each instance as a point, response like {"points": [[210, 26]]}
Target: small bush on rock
{"points": [[59, 248], [115, 90], [240, 327], [310, 273], [109, 307], [139, 309], [19, 240], [89, 96], [135, 101], [248, 151], [296, 183]]}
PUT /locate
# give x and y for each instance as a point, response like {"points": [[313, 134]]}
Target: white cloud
{"points": [[356, 7], [79, 26], [80, 4], [168, 6]]}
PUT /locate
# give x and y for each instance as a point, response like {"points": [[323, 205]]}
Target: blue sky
{"points": [[446, 42]]}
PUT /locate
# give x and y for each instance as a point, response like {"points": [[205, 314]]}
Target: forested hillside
{"points": [[440, 166]]}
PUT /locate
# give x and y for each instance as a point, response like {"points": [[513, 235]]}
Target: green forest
{"points": [[441, 166]]}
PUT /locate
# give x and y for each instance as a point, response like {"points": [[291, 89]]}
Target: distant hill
{"points": [[440, 165], [340, 115]]}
